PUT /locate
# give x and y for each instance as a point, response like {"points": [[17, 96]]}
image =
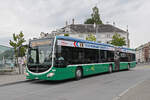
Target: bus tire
{"points": [[78, 73], [128, 68], [110, 70]]}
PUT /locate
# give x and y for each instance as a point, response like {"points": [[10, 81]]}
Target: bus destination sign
{"points": [[39, 43]]}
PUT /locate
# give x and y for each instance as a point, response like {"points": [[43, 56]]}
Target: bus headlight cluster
{"points": [[50, 74], [27, 74]]}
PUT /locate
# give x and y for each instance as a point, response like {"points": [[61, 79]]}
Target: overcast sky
{"points": [[35, 16]]}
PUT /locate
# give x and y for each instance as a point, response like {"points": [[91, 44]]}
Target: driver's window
{"points": [[59, 60], [41, 57], [48, 56], [32, 58]]}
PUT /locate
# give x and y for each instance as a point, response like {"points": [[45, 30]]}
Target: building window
{"points": [[108, 36], [108, 42], [80, 35]]}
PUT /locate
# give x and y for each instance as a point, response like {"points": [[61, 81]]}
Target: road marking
{"points": [[124, 92]]}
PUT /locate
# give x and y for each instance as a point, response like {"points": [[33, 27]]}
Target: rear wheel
{"points": [[78, 73]]}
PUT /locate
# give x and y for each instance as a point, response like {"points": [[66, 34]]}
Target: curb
{"points": [[17, 82]]}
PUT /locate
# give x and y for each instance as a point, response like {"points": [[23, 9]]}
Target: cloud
{"points": [[133, 13], [35, 16]]}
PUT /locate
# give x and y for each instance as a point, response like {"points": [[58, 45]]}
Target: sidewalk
{"points": [[139, 92], [11, 79]]}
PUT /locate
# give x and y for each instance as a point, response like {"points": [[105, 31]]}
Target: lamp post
{"points": [[95, 28], [19, 60]]}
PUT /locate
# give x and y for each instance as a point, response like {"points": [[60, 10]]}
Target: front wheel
{"points": [[78, 73]]}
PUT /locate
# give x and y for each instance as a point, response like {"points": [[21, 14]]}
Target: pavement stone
{"points": [[11, 79]]}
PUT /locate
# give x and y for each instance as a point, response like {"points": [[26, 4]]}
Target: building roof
{"points": [[87, 28], [4, 48]]}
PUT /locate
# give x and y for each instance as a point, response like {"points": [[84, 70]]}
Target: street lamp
{"points": [[95, 28]]}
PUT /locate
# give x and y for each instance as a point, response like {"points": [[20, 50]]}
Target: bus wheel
{"points": [[110, 69], [128, 67], [78, 73]]}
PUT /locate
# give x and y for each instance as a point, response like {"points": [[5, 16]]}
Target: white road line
{"points": [[124, 92]]}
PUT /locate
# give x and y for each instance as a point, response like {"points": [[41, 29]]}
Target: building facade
{"points": [[6, 56], [103, 33], [143, 53]]}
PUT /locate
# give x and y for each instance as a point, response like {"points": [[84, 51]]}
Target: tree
{"points": [[17, 44], [91, 38], [117, 40], [66, 34], [95, 17], [89, 21]]}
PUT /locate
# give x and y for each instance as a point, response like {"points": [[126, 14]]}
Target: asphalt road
{"points": [[98, 87]]}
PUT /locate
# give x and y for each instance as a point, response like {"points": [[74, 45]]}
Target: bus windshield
{"points": [[40, 54]]}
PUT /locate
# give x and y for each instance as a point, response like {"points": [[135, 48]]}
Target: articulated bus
{"points": [[61, 58]]}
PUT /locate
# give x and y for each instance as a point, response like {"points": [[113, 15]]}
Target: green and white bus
{"points": [[63, 58]]}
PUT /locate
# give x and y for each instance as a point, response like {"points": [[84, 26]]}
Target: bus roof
{"points": [[123, 49], [92, 42], [126, 48], [84, 41]]}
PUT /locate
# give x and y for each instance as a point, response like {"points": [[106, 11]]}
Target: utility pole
{"points": [[128, 41], [95, 28]]}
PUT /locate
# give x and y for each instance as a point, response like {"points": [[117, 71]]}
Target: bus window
{"points": [[127, 57], [63, 56], [103, 55], [91, 56], [33, 56], [133, 57], [124, 57], [77, 56], [81, 56], [110, 56]]}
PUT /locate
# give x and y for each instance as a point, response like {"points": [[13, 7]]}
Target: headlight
{"points": [[50, 74], [27, 74]]}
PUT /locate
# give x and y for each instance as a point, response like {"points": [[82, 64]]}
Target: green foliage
{"points": [[91, 38], [117, 40], [95, 17], [17, 44], [89, 21], [66, 34]]}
